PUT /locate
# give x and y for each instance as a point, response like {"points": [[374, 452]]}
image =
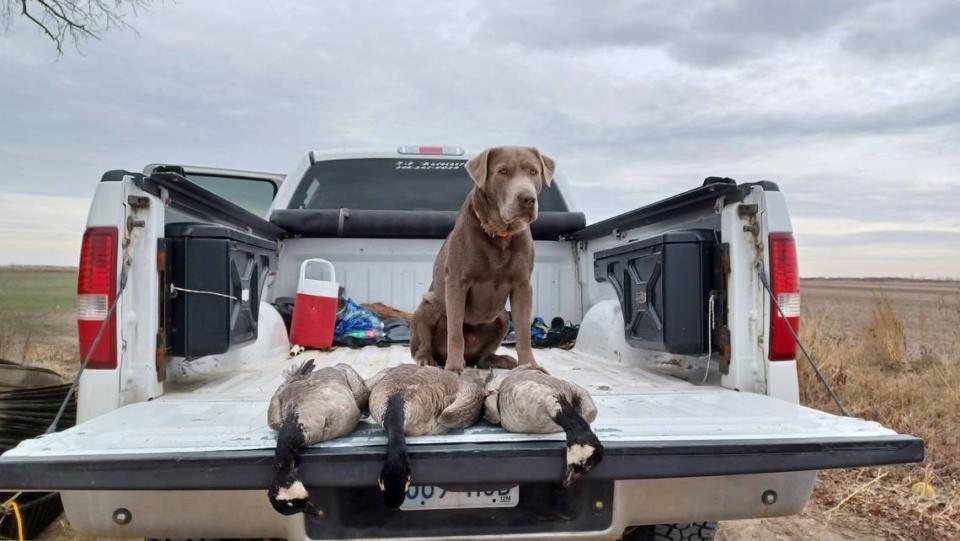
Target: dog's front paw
{"points": [[454, 365], [425, 361]]}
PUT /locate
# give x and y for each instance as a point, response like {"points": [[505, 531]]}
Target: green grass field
{"points": [[37, 325], [30, 292]]}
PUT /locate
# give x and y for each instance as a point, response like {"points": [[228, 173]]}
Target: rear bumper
{"points": [[575, 516], [508, 463]]}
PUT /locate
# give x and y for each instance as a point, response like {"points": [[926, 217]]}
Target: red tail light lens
{"points": [[96, 290], [785, 283]]}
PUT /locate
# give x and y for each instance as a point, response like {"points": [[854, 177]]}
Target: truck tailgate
{"points": [[212, 434]]}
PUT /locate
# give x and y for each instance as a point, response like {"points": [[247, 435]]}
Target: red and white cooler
{"points": [[315, 308]]}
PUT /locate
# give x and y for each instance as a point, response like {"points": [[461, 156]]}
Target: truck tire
{"points": [[681, 531]]}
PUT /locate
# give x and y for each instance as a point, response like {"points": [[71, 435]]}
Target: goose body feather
{"points": [[525, 399], [412, 400], [327, 402], [310, 406], [434, 400]]}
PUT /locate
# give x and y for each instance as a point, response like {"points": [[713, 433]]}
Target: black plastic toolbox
{"points": [[214, 277], [664, 284]]}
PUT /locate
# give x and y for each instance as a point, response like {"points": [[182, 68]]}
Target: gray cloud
{"points": [[636, 100], [714, 33], [906, 30], [571, 24], [780, 18]]}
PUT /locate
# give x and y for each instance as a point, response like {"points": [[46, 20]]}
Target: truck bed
{"points": [[228, 413]]}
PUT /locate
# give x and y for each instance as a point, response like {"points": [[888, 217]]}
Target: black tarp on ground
{"points": [[29, 400]]}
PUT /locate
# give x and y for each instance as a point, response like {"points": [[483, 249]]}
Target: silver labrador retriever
{"points": [[486, 259]]}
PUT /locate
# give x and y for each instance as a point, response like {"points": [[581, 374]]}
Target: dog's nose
{"points": [[527, 199]]}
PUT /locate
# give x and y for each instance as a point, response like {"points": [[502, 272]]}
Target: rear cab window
{"points": [[252, 194], [395, 184]]}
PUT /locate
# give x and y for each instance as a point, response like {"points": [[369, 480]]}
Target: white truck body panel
{"points": [[782, 380]]}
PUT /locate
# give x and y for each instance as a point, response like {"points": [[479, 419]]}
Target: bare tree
{"points": [[71, 21]]}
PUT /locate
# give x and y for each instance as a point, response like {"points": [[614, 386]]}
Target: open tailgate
{"points": [[215, 436]]}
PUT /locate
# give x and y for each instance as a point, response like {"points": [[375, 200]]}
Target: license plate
{"points": [[429, 497]]}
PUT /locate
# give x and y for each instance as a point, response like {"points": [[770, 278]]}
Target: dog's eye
{"points": [[532, 171], [502, 171]]}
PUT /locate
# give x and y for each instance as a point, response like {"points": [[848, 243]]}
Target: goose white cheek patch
{"points": [[295, 491], [579, 453]]}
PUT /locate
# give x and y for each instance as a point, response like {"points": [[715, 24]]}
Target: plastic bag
{"points": [[538, 329], [357, 326]]}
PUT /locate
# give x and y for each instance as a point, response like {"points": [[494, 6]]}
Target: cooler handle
{"points": [[303, 270]]}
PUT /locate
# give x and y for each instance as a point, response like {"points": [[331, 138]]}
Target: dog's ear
{"points": [[477, 168], [547, 166]]}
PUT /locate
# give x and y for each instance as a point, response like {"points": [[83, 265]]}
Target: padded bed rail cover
{"points": [[410, 224]]}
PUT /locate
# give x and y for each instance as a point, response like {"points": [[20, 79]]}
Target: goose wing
{"points": [[465, 409], [491, 403], [274, 413], [290, 376], [375, 379], [361, 393], [581, 400]]}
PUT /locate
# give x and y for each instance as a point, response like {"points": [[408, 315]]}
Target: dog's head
{"points": [[511, 179]]}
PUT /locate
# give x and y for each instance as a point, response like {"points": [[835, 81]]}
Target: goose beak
{"points": [[312, 511], [581, 458], [571, 477]]}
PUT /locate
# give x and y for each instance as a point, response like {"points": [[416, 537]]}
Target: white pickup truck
{"points": [[692, 368]]}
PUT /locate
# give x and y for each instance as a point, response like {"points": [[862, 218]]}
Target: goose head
{"points": [[583, 453], [395, 479], [287, 493], [289, 497]]}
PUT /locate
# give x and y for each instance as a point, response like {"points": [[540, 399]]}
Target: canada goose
{"points": [[309, 407], [415, 400], [527, 399]]}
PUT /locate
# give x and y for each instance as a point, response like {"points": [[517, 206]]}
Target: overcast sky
{"points": [[853, 107]]}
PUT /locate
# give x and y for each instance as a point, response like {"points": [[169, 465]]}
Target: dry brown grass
{"points": [[911, 388], [886, 341]]}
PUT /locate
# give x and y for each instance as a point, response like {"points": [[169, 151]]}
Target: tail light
{"points": [[96, 291], [785, 284]]}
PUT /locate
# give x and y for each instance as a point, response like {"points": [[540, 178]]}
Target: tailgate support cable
{"points": [[93, 346], [816, 369], [712, 326]]}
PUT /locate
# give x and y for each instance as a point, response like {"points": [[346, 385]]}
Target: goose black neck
{"points": [[393, 419], [395, 475], [290, 440], [576, 427]]}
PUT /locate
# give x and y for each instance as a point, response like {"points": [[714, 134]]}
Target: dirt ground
{"points": [[840, 316]]}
